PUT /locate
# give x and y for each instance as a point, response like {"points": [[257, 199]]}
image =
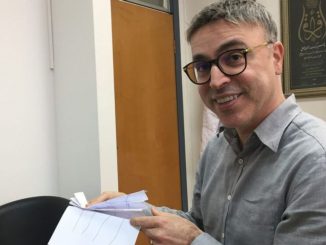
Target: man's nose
{"points": [[218, 79]]}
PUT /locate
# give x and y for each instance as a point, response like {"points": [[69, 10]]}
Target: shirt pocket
{"points": [[262, 211]]}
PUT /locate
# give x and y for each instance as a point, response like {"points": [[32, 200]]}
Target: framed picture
{"points": [[304, 38]]}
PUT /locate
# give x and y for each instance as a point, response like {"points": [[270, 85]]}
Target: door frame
{"points": [[178, 73]]}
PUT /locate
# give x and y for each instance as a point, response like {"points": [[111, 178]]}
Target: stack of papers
{"points": [[126, 206], [103, 223]]}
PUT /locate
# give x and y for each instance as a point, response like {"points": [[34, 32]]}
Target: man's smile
{"points": [[226, 99]]}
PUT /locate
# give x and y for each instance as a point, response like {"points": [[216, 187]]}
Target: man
{"points": [[262, 180]]}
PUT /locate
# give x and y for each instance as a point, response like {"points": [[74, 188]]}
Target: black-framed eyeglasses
{"points": [[231, 62]]}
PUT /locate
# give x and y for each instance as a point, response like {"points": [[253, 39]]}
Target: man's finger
{"points": [[105, 196], [145, 222], [156, 212]]}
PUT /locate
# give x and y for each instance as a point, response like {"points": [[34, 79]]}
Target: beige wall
{"points": [[191, 101], [57, 125], [192, 104], [84, 97], [27, 125]]}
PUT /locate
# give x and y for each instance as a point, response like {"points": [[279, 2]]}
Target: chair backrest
{"points": [[30, 221]]}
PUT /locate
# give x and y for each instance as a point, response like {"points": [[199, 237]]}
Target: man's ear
{"points": [[278, 56]]}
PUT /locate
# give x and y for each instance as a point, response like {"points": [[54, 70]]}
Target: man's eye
{"points": [[236, 57], [202, 66], [233, 59]]}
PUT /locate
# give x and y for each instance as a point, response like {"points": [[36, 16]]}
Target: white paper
{"points": [[96, 225], [82, 227], [80, 197]]}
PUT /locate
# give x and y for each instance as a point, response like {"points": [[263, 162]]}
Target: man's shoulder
{"points": [[216, 145], [310, 128], [218, 140]]}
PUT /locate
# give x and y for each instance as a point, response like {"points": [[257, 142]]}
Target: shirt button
{"points": [[240, 161], [229, 197]]}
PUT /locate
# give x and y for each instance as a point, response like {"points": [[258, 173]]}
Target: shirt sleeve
{"points": [[304, 219], [205, 239]]}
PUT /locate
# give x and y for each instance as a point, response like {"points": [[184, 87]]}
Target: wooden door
{"points": [[146, 103]]}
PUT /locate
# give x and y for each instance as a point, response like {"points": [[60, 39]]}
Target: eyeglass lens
{"points": [[230, 63]]}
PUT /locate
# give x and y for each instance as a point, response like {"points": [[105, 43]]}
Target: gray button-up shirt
{"points": [[270, 191]]}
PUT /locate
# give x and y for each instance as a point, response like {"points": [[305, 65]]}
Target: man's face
{"points": [[244, 100]]}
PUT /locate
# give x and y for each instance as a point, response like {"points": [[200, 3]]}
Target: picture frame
{"points": [[304, 39]]}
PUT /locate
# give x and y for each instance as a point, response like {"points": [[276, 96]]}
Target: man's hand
{"points": [[105, 196], [167, 229]]}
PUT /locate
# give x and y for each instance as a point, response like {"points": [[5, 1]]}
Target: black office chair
{"points": [[30, 221]]}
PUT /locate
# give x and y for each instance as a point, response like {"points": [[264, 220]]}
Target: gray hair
{"points": [[235, 11]]}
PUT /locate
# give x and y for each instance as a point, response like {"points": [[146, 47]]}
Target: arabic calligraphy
{"points": [[312, 27], [305, 38]]}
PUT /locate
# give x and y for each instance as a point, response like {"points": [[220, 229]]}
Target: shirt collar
{"points": [[270, 130]]}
